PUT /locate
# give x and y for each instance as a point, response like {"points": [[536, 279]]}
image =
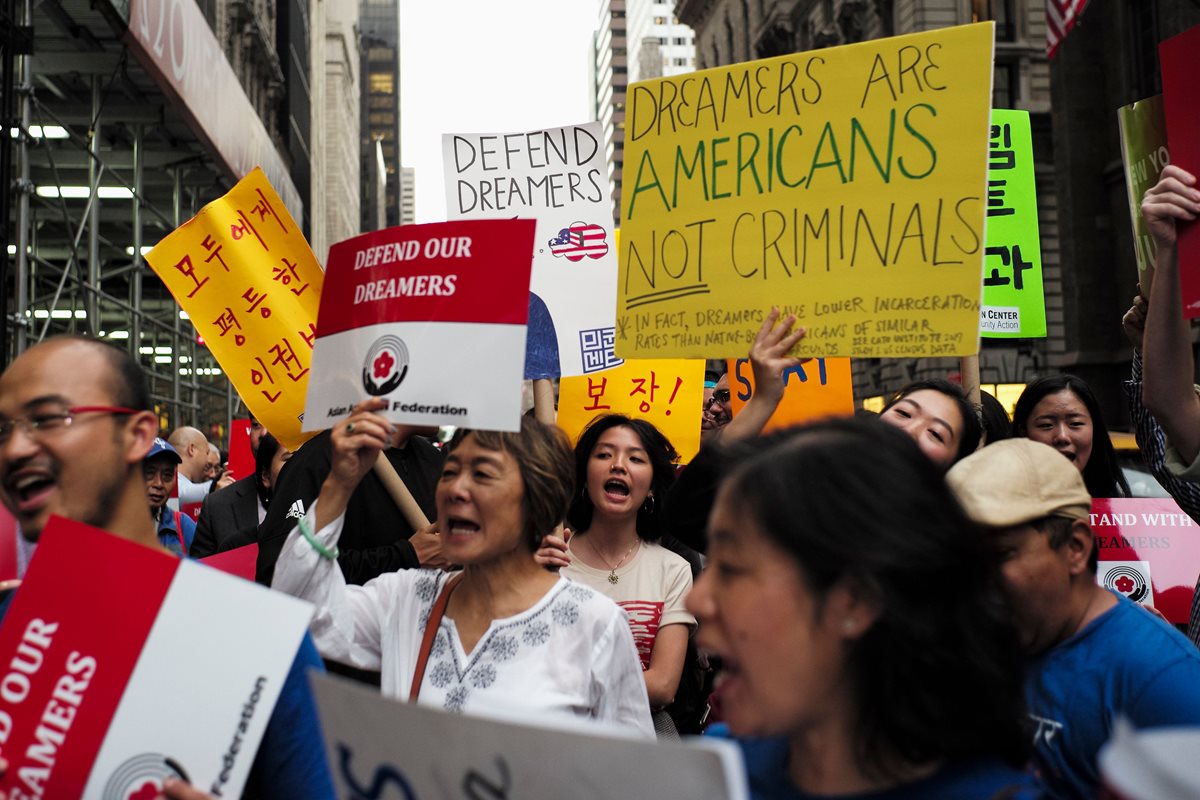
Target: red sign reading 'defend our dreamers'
{"points": [[430, 317], [121, 665], [1149, 552]]}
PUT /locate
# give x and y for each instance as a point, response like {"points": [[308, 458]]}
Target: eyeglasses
{"points": [[719, 396], [38, 425]]}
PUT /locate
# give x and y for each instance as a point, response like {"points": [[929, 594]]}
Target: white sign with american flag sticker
{"points": [[559, 177]]}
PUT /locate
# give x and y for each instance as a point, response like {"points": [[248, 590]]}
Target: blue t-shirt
{"points": [[978, 779], [291, 757], [1125, 662], [168, 537]]}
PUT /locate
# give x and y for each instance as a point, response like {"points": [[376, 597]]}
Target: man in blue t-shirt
{"points": [[175, 528], [75, 426], [1093, 654]]}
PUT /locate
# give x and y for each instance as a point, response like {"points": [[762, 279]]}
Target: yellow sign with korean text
{"points": [[816, 389], [245, 275], [666, 392], [845, 185]]}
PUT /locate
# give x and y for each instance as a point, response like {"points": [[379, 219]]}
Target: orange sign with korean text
{"points": [[666, 392], [821, 387], [244, 273]]}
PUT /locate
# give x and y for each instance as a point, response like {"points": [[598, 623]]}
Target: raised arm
{"points": [[346, 625], [1168, 371], [768, 358]]}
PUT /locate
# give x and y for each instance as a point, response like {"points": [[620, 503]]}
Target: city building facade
{"points": [[379, 23]]}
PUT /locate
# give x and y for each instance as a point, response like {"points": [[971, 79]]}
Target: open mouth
{"points": [[459, 526], [29, 489], [616, 486]]}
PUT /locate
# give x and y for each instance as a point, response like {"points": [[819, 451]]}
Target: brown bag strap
{"points": [[431, 628]]}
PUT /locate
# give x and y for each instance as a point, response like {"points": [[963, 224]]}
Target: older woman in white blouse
{"points": [[513, 635]]}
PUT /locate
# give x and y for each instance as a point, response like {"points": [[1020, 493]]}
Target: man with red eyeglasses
{"points": [[76, 426]]}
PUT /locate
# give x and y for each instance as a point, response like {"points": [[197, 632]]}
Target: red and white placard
{"points": [[431, 317], [121, 666], [1149, 552]]}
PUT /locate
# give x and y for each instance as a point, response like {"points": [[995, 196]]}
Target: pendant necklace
{"points": [[613, 578]]}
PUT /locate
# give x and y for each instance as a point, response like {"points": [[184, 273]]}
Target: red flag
{"points": [[1061, 16]]}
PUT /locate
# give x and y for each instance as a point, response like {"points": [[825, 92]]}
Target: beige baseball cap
{"points": [[1017, 481]]}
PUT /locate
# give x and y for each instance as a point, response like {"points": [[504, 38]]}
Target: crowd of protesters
{"points": [[898, 606]]}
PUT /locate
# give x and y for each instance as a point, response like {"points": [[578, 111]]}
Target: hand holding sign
{"points": [[1172, 199], [356, 443]]}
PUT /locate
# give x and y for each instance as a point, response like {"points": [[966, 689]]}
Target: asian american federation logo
{"points": [[141, 777], [385, 366]]}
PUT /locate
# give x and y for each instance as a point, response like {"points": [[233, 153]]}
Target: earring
{"points": [[648, 504], [849, 625]]}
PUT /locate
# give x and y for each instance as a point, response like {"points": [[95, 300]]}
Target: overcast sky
{"points": [[482, 66]]}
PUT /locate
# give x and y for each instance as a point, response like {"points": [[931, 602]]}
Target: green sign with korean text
{"points": [[1014, 303]]}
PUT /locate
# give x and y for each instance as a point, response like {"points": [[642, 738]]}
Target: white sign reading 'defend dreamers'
{"points": [[384, 748], [431, 317], [559, 177], [147, 668]]}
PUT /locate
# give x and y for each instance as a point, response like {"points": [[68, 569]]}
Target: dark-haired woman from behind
{"points": [[1062, 411], [867, 651]]}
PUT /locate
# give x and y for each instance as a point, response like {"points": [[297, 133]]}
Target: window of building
{"points": [[381, 101], [660, 20], [1145, 79], [998, 10], [381, 54], [379, 118], [1005, 86], [383, 82]]}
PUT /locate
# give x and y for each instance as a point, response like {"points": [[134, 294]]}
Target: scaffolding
{"points": [[98, 166]]}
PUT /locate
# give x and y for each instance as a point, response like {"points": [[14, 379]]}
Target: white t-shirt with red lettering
{"points": [[651, 588]]}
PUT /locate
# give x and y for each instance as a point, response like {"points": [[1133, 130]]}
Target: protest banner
{"points": [[559, 177], [1014, 301], [845, 185], [112, 676], [248, 280], [1181, 98], [241, 457], [10, 559], [380, 747], [666, 392], [1144, 154], [431, 317], [241, 561], [822, 387], [1149, 552]]}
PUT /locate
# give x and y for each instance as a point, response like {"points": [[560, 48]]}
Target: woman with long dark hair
{"points": [[1062, 411], [937, 415], [624, 468], [866, 648]]}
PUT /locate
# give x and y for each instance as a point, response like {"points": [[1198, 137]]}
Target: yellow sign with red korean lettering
{"points": [[245, 275], [666, 392]]}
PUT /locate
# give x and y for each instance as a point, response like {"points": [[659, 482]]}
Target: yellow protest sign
{"points": [[246, 276], [822, 387], [845, 185], [666, 392]]}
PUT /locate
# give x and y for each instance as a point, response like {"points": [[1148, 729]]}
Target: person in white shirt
{"points": [[514, 636]]}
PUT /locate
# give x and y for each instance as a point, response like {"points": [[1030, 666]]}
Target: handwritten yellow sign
{"points": [[244, 273], [813, 390], [846, 185], [666, 392]]}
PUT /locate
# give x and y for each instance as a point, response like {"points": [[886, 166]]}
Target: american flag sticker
{"points": [[578, 240]]}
